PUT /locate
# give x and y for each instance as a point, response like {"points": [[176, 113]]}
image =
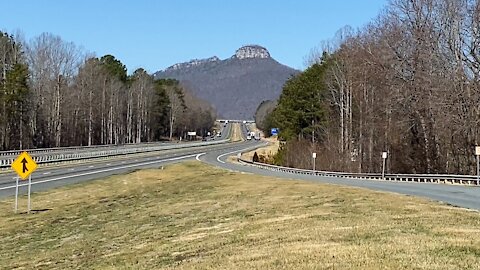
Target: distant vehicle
{"points": [[219, 134], [249, 137], [204, 139], [257, 136], [244, 121]]}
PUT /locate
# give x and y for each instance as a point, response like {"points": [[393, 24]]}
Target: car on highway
{"points": [[249, 137]]}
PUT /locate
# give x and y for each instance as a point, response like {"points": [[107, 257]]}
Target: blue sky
{"points": [[156, 34]]}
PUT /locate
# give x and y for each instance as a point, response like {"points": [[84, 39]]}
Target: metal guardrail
{"points": [[61, 154], [98, 153], [50, 150], [39, 151], [418, 178]]}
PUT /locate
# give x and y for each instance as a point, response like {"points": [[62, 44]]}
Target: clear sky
{"points": [[156, 34]]}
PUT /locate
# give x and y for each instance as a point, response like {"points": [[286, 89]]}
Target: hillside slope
{"points": [[234, 86]]}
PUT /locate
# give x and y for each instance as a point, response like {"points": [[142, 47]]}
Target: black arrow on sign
{"points": [[24, 161]]}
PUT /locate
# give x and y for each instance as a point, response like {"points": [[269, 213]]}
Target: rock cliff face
{"points": [[193, 63], [252, 51], [234, 86]]}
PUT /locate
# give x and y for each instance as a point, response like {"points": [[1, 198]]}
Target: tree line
{"points": [[408, 84], [54, 94]]}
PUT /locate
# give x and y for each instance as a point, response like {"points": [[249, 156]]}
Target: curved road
{"points": [[54, 176], [457, 195]]}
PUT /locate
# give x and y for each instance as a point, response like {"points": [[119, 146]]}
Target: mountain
{"points": [[234, 86]]}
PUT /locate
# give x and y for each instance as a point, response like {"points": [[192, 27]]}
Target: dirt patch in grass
{"points": [[193, 216]]}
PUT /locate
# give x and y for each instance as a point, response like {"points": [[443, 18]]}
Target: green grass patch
{"points": [[193, 216]]}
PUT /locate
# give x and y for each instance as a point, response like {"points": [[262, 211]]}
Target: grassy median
{"points": [[193, 216], [236, 133]]}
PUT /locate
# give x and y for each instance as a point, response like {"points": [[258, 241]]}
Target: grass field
{"points": [[193, 216]]}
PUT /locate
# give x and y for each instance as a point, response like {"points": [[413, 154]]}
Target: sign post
{"points": [[477, 153], [314, 156], [29, 192], [384, 157], [24, 165], [16, 194]]}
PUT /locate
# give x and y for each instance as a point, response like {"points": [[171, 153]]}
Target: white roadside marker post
{"points": [[384, 157], [477, 153]]}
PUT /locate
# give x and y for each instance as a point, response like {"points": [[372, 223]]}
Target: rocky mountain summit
{"points": [[234, 86], [251, 51]]}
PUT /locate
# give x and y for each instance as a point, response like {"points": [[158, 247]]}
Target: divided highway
{"points": [[54, 176], [59, 174]]}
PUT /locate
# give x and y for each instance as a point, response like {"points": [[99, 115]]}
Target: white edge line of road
{"points": [[236, 151], [199, 155], [104, 170]]}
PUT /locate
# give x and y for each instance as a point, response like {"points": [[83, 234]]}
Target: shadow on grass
{"points": [[34, 211]]}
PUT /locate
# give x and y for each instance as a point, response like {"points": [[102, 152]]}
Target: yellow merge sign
{"points": [[24, 165]]}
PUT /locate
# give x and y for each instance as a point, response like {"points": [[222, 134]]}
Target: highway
{"points": [[54, 155], [55, 175], [216, 155], [456, 195]]}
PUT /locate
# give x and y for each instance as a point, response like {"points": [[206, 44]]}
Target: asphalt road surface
{"points": [[100, 148], [54, 176], [457, 195]]}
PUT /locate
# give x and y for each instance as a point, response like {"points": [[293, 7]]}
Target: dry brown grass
{"points": [[236, 133], [193, 216], [266, 152]]}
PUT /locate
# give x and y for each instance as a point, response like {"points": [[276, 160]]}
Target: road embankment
{"points": [[194, 216]]}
